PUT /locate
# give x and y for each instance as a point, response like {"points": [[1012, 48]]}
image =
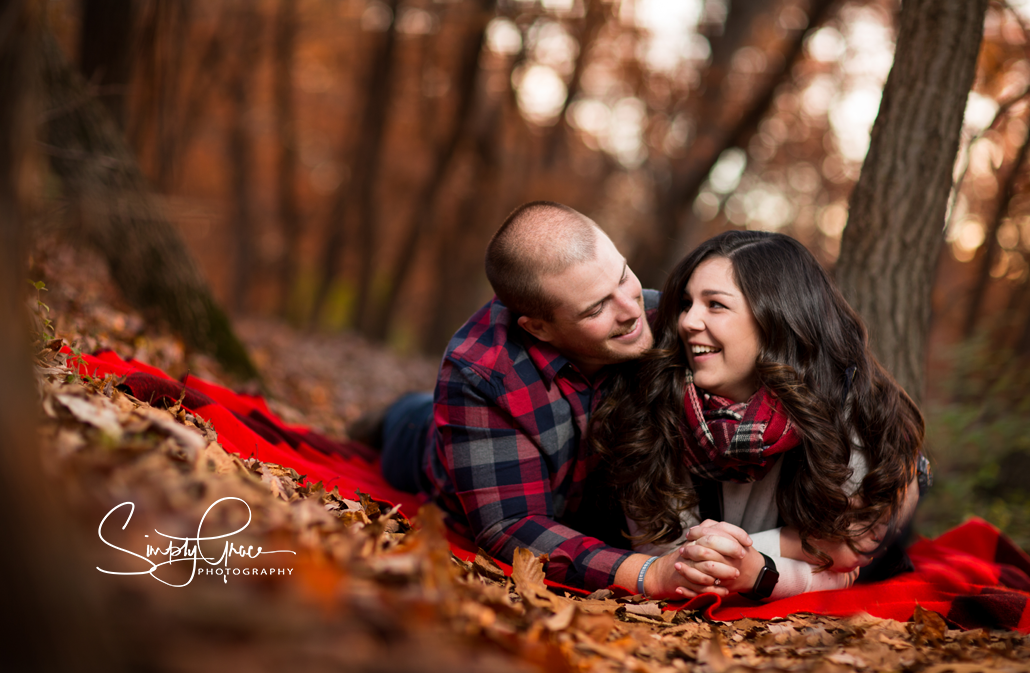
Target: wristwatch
{"points": [[765, 582]]}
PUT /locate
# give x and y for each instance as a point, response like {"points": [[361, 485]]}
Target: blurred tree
{"points": [[458, 249], [595, 15], [53, 616], [106, 51], [239, 93], [159, 128], [997, 268], [1023, 343], [457, 253], [120, 218], [725, 116], [893, 239], [420, 226], [286, 178], [991, 248], [354, 202]]}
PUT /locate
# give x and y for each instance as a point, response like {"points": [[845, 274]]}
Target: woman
{"points": [[762, 403]]}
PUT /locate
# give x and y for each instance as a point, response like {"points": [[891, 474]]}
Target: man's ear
{"points": [[541, 329]]}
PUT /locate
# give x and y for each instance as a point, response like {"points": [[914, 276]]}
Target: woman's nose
{"points": [[690, 320]]}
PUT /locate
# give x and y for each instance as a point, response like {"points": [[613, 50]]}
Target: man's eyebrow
{"points": [[590, 309]]}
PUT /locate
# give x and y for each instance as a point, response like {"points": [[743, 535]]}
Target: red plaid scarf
{"points": [[734, 441]]}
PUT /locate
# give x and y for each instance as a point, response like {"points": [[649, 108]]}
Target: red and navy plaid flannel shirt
{"points": [[506, 454]]}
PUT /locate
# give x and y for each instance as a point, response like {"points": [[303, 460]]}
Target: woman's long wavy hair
{"points": [[814, 358]]}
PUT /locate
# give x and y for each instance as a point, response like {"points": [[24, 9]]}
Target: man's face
{"points": [[599, 319]]}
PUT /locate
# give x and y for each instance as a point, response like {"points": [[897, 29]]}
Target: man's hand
{"points": [[708, 563]]}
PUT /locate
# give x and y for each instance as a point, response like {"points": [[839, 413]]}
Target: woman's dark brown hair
{"points": [[814, 357]]}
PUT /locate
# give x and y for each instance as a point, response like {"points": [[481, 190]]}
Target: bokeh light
{"points": [[541, 93]]}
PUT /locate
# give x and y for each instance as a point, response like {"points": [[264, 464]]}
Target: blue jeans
{"points": [[405, 428]]}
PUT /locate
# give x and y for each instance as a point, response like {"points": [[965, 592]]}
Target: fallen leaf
{"points": [[597, 607], [847, 659], [973, 668], [644, 609], [714, 654], [276, 486], [190, 439], [93, 412], [528, 575], [561, 620], [485, 566], [927, 626], [595, 626]]}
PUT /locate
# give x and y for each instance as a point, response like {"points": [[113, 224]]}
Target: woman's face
{"points": [[719, 332]]}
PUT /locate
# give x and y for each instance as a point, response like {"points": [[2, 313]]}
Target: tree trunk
{"points": [[893, 240], [52, 616], [424, 212], [106, 51], [161, 130], [146, 255], [357, 195], [289, 208]]}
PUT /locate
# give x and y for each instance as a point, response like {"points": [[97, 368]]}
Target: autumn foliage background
{"points": [[337, 169]]}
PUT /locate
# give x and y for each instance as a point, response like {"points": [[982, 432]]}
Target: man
{"points": [[500, 446]]}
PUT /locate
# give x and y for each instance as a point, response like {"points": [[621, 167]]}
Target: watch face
{"points": [[765, 582]]}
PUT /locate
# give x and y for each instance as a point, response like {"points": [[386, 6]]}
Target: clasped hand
{"points": [[717, 557]]}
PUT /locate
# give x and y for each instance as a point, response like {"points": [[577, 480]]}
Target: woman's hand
{"points": [[672, 577], [717, 558], [847, 558], [708, 562]]}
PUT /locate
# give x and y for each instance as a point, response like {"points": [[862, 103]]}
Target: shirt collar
{"points": [[550, 362], [547, 359]]}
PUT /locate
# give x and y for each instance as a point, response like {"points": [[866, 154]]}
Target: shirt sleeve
{"points": [[797, 577], [504, 479]]}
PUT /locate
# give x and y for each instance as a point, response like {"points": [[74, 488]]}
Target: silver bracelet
{"points": [[643, 571]]}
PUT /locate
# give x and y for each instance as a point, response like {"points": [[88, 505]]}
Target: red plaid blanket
{"points": [[973, 575]]}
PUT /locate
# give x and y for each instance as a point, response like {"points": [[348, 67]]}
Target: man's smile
{"points": [[633, 331]]}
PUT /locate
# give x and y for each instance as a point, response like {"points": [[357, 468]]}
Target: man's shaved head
{"points": [[538, 238]]}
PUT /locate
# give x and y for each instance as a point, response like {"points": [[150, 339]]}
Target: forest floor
{"points": [[367, 591]]}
